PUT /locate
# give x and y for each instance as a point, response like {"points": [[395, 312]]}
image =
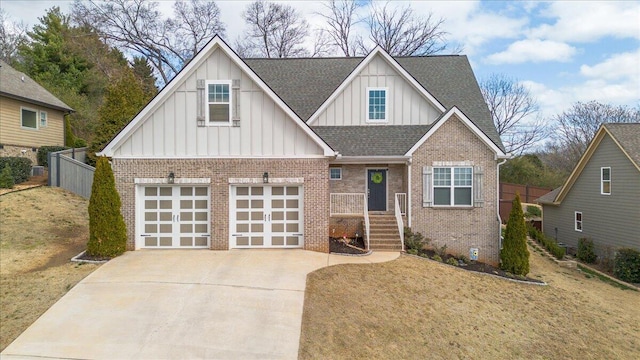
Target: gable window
{"points": [[605, 181], [43, 118], [578, 221], [335, 173], [452, 186], [218, 102], [29, 118], [377, 109]]}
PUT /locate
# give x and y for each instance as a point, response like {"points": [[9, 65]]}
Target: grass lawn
{"points": [[416, 309], [41, 229]]}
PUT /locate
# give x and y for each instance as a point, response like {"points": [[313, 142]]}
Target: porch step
{"points": [[383, 233]]}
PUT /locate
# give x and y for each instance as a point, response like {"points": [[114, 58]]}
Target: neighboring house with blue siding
{"points": [[601, 198]]}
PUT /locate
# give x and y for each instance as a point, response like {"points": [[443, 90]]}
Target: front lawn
{"points": [[418, 309]]}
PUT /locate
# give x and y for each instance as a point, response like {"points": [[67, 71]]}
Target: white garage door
{"points": [[266, 217], [175, 217]]}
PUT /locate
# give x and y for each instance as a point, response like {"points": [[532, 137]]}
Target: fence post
{"points": [[57, 169], [49, 172]]}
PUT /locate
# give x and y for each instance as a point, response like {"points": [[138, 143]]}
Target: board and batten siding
{"points": [[406, 105], [609, 220], [12, 132], [171, 130]]}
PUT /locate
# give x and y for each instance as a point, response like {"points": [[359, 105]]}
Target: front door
{"points": [[377, 189]]}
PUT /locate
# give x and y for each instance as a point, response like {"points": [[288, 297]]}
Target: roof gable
{"points": [[625, 136], [215, 44], [455, 112], [19, 86]]}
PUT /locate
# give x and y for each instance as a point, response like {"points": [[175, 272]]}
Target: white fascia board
{"points": [[196, 157], [371, 160], [391, 61], [468, 123], [213, 44]]}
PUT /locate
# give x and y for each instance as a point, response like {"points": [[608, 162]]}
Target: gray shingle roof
{"points": [[17, 85], [628, 136], [391, 140], [549, 197], [305, 83]]}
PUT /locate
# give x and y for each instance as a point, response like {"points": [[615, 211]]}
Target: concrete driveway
{"points": [[182, 304]]}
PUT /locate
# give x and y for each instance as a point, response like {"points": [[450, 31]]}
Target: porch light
{"points": [[171, 178], [265, 178]]}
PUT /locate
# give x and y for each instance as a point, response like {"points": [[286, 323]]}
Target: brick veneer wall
{"points": [[354, 178], [316, 190], [458, 228]]}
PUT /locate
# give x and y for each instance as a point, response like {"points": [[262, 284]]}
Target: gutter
{"points": [[342, 159], [504, 160]]}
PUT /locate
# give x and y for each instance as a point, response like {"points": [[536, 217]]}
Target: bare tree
{"points": [[137, 27], [513, 110], [576, 127], [275, 31], [401, 33], [340, 20], [12, 35]]}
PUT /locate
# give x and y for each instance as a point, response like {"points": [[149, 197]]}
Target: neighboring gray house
{"points": [[601, 198], [273, 153]]}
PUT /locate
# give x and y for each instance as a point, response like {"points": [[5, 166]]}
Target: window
{"points": [[29, 118], [218, 102], [578, 225], [335, 173], [43, 118], [377, 104], [452, 186], [605, 181]]}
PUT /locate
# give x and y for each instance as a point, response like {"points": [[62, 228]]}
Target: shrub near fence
{"points": [[550, 244], [43, 154], [627, 265], [20, 168]]}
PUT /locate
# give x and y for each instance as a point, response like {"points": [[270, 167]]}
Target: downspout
{"points": [[498, 202], [409, 193]]}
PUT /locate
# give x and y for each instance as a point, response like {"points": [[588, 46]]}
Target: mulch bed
{"points": [[339, 247]]}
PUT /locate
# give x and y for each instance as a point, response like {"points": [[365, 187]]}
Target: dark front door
{"points": [[377, 189]]}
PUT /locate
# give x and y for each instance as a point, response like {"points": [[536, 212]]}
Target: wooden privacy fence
{"points": [[528, 194], [68, 171]]}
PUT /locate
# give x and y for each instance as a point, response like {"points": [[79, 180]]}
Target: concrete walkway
{"points": [[182, 304]]}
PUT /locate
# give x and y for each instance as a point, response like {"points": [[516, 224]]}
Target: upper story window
{"points": [[43, 118], [605, 181], [218, 102], [335, 173], [452, 186], [578, 221], [377, 109], [29, 118]]}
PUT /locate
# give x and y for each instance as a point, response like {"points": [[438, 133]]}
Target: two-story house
{"points": [[268, 153], [30, 116]]}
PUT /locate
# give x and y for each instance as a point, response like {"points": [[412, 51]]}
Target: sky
{"points": [[562, 51]]}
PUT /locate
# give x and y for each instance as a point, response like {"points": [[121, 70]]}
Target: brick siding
{"points": [[354, 179], [314, 172]]}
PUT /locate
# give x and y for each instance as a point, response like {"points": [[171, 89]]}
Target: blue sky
{"points": [[563, 51]]}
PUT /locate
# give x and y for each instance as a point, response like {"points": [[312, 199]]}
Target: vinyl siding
{"points": [[170, 130], [609, 220], [406, 105], [12, 132]]}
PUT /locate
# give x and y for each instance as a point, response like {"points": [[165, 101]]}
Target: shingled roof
{"points": [[392, 140], [17, 85], [305, 83], [628, 136]]}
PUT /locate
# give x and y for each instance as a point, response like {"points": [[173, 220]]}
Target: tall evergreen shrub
{"points": [[107, 231], [514, 255], [6, 178]]}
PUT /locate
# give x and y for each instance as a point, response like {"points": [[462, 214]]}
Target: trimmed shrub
{"points": [[514, 256], [6, 179], [626, 265], [533, 211], [44, 151], [549, 243], [452, 261], [20, 168], [586, 252], [436, 257], [107, 231], [414, 242]]}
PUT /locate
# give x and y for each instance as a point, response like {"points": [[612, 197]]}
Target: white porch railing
{"points": [[401, 198], [351, 204], [399, 221]]}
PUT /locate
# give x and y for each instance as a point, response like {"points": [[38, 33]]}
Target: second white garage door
{"points": [[266, 216]]}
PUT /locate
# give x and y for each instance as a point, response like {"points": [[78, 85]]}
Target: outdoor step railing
{"points": [[398, 213]]}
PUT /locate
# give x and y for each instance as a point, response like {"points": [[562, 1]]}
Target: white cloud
{"points": [[590, 21], [618, 66], [533, 50]]}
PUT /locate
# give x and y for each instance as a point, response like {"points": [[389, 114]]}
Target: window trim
{"points": [[603, 181], [46, 119], [577, 222], [386, 104], [22, 108], [207, 102], [452, 187], [331, 175]]}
